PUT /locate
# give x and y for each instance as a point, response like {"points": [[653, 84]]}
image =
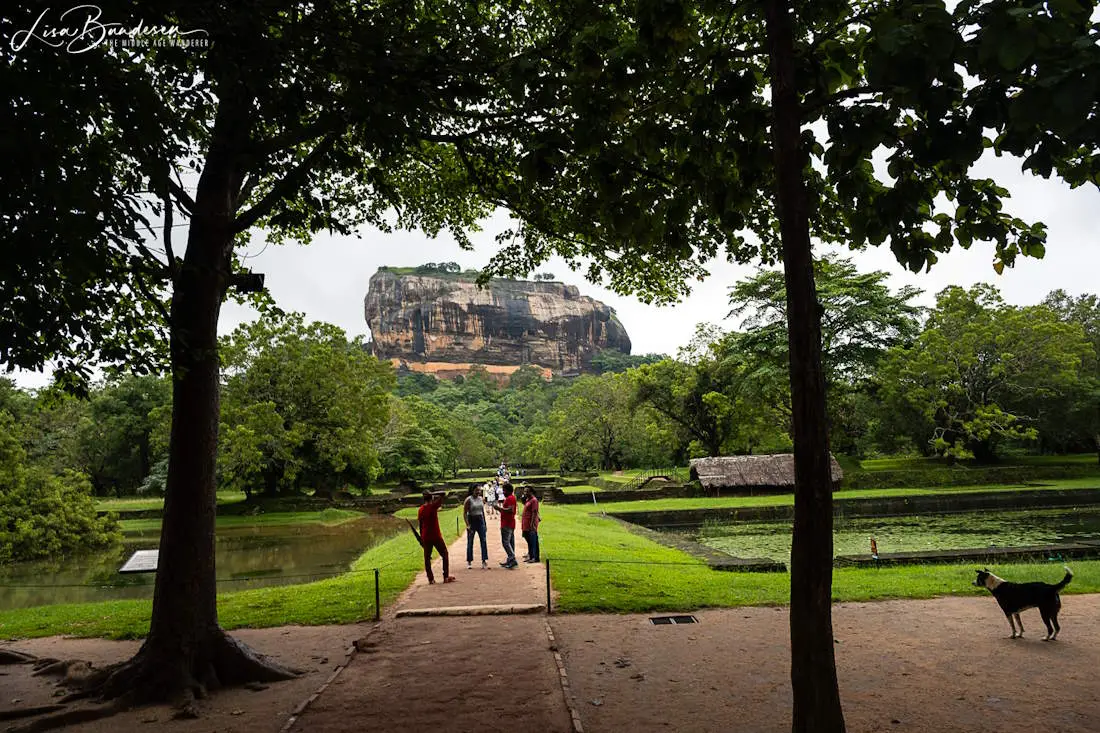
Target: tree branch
{"points": [[326, 124], [812, 105], [283, 187], [168, 253], [155, 302], [182, 196]]}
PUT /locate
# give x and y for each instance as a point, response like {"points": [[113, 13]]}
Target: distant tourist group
{"points": [[493, 498]]}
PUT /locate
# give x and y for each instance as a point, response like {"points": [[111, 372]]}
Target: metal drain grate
{"points": [[659, 620]]}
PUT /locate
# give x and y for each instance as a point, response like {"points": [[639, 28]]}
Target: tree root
{"points": [[30, 712], [155, 675], [71, 717], [11, 656]]}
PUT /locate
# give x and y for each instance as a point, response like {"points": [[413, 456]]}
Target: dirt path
{"points": [[929, 666]]}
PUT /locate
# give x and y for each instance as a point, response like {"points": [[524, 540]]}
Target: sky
{"points": [[327, 279]]}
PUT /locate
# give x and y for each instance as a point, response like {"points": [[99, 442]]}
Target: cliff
{"points": [[446, 318]]}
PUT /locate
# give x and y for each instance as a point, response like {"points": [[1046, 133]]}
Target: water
{"points": [[247, 556], [913, 532]]}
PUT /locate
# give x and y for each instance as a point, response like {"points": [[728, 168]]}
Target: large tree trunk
{"points": [[813, 665], [186, 651]]}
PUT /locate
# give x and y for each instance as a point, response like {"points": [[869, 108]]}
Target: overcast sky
{"points": [[328, 279]]}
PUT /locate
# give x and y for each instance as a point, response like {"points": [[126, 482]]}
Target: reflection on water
{"points": [[247, 556], [914, 532]]}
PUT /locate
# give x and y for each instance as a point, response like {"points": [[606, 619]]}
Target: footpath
{"points": [[428, 666]]}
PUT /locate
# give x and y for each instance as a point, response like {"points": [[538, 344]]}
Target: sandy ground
{"points": [[316, 650], [929, 666]]}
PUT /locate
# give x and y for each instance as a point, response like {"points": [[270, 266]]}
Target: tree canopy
{"points": [[980, 365]]}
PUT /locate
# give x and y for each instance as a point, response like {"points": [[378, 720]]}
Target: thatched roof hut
{"points": [[751, 473]]}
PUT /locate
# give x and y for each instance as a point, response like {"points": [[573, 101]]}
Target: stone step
{"points": [[509, 609]]}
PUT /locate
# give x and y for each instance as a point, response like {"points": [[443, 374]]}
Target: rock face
{"points": [[446, 318]]}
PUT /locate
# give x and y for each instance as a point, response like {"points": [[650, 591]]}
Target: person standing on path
{"points": [[431, 536], [489, 494], [507, 509], [473, 511], [529, 524]]}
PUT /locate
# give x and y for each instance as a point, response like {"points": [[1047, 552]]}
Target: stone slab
{"points": [[1076, 550], [497, 610], [142, 561]]}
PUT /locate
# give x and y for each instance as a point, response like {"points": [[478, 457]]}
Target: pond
{"points": [[247, 556], [912, 533]]}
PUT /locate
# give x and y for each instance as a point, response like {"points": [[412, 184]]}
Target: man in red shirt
{"points": [[529, 525], [507, 508], [431, 536]]}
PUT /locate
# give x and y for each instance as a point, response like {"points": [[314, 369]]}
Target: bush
{"points": [[43, 515]]}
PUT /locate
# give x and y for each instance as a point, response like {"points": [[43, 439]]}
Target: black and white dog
{"points": [[1016, 597]]}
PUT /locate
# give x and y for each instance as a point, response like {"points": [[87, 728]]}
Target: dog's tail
{"points": [[1065, 580]]}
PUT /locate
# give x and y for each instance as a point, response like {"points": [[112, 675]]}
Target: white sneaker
{"points": [[469, 566], [484, 565]]}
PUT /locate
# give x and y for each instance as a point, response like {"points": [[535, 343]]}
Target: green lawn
{"points": [[582, 489], [136, 503], [325, 516], [788, 499], [909, 463], [341, 600], [598, 565]]}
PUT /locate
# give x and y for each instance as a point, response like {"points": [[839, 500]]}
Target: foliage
{"points": [[43, 515], [416, 443], [1075, 424], [714, 397], [977, 366], [114, 441], [612, 360], [302, 406], [594, 425], [860, 317], [449, 268], [749, 129], [965, 476]]}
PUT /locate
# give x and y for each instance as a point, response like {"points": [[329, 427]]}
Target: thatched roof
{"points": [[734, 472]]}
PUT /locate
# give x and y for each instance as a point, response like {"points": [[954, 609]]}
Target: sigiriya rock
{"points": [[441, 322]]}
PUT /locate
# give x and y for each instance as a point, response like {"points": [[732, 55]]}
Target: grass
{"points": [[905, 463], [141, 503], [345, 599], [701, 502], [582, 489], [599, 565], [326, 516]]}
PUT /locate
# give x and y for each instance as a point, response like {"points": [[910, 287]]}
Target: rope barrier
{"points": [[558, 558], [112, 586]]}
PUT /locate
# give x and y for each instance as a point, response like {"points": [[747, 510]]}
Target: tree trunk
{"points": [[813, 665], [186, 650]]}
